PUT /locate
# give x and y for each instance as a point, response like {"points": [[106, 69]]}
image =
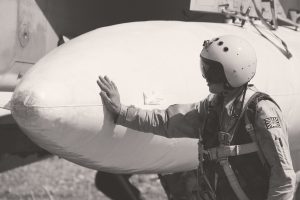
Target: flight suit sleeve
{"points": [[178, 120], [272, 137]]}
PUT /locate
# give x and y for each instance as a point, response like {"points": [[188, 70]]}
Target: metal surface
{"points": [[58, 105]]}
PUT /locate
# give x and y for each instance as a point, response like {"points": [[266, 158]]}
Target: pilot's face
{"points": [[214, 74]]}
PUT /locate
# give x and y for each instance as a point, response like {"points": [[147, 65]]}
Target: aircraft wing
{"points": [[16, 149]]}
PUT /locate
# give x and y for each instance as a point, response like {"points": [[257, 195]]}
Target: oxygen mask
{"points": [[212, 71]]}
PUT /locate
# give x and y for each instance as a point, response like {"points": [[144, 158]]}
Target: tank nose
{"points": [[28, 110], [23, 109], [30, 101]]}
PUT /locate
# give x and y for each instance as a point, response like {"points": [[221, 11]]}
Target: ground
{"points": [[58, 179]]}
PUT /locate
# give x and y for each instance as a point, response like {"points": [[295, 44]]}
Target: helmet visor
{"points": [[212, 71]]}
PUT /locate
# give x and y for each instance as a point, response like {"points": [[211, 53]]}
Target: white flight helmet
{"points": [[232, 57]]}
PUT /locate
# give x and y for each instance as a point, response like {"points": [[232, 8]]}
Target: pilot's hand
{"points": [[110, 95]]}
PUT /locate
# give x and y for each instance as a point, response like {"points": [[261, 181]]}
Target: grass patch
{"points": [[58, 179]]}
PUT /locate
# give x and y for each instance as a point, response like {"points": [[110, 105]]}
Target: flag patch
{"points": [[272, 122]]}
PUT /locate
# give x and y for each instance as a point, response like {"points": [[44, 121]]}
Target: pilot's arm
{"points": [[271, 131], [176, 121], [179, 120]]}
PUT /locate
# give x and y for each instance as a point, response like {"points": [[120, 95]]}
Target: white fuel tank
{"points": [[154, 64]]}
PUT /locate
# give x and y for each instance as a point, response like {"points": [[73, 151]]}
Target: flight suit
{"points": [[273, 180]]}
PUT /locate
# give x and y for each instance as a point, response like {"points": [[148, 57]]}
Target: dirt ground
{"points": [[58, 179]]}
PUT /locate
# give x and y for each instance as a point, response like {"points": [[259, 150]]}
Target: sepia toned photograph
{"points": [[149, 99]]}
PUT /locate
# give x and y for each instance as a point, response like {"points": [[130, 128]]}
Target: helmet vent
{"points": [[220, 43], [225, 49]]}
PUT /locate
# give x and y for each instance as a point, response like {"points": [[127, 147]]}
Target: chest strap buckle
{"points": [[224, 138], [223, 152]]}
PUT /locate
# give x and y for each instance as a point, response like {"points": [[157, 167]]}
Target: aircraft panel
{"points": [[8, 10], [31, 32], [26, 37], [236, 6]]}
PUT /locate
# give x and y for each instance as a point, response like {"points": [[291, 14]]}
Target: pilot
{"points": [[243, 141]]}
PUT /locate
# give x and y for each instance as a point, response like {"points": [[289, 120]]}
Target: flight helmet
{"points": [[228, 59]]}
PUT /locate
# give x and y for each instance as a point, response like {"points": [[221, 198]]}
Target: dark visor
{"points": [[212, 71]]}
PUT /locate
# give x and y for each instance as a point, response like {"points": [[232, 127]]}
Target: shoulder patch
{"points": [[272, 122]]}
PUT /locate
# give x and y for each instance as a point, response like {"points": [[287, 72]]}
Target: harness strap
{"points": [[249, 126], [250, 130], [233, 181], [206, 190], [246, 148], [221, 152]]}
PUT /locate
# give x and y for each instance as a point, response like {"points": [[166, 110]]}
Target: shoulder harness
{"points": [[225, 150]]}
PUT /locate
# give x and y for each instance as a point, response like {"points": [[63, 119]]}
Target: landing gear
{"points": [[117, 186]]}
